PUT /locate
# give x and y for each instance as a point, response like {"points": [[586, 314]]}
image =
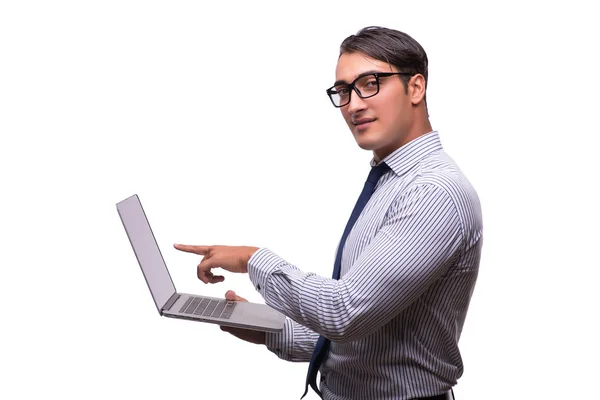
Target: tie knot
{"points": [[377, 172]]}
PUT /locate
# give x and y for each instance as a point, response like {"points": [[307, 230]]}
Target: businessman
{"points": [[386, 324]]}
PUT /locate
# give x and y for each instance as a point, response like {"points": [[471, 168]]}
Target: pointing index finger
{"points": [[200, 250]]}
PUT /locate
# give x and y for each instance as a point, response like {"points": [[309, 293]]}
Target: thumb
{"points": [[231, 296]]}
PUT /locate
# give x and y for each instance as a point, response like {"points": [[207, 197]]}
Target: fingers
{"points": [[245, 334], [209, 277], [237, 332], [205, 274], [231, 296], [205, 266], [200, 250]]}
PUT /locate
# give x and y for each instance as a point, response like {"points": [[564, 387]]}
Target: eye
{"points": [[371, 83], [342, 90]]}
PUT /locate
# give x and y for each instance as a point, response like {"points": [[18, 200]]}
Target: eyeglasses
{"points": [[365, 86]]}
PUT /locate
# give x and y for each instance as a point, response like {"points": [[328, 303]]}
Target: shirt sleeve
{"points": [[415, 245], [294, 343]]}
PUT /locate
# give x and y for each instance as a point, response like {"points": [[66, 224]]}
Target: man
{"points": [[387, 324]]}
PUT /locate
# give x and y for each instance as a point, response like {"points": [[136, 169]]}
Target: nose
{"points": [[356, 103]]}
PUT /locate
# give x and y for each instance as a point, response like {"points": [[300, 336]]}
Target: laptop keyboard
{"points": [[208, 307]]}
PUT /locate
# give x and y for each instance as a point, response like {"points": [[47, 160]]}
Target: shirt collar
{"points": [[405, 157]]}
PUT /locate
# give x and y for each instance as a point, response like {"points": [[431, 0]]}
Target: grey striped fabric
{"points": [[409, 267]]}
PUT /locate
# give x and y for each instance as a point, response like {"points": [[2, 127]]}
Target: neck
{"points": [[417, 130]]}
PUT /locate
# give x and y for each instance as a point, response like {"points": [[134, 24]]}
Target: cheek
{"points": [[346, 115], [390, 111]]}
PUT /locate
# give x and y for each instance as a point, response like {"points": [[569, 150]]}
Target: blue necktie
{"points": [[322, 346]]}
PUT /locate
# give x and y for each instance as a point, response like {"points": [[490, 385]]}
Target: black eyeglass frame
{"points": [[351, 86]]}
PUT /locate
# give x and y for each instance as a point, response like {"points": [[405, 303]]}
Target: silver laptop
{"points": [[180, 305]]}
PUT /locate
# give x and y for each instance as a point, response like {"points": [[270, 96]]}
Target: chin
{"points": [[367, 141]]}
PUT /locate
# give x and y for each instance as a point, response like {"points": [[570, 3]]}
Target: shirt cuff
{"points": [[281, 343], [260, 267]]}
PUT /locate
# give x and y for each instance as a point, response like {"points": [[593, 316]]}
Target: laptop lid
{"points": [[146, 250]]}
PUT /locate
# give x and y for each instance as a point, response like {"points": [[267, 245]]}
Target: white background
{"points": [[216, 116]]}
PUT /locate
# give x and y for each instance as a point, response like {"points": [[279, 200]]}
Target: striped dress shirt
{"points": [[409, 268]]}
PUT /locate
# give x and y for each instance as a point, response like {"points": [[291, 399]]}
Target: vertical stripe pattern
{"points": [[409, 267]]}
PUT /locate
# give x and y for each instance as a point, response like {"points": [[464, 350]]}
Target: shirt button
{"points": [[258, 287]]}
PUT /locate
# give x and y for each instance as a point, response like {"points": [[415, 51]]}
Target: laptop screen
{"points": [[146, 250]]}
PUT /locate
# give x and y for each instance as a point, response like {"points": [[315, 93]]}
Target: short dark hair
{"points": [[394, 47]]}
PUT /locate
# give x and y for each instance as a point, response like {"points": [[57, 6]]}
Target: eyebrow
{"points": [[342, 82]]}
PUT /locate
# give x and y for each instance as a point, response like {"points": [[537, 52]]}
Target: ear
{"points": [[416, 87]]}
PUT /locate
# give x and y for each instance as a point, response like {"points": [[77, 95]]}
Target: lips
{"points": [[362, 124], [362, 121]]}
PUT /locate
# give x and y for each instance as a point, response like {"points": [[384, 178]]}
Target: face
{"points": [[386, 121]]}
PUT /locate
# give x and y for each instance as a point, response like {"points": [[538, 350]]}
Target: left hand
{"points": [[230, 258], [248, 335]]}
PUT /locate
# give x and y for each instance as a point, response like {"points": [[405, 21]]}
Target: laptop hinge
{"points": [[170, 302]]}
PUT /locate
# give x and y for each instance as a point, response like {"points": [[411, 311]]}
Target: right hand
{"points": [[248, 335]]}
